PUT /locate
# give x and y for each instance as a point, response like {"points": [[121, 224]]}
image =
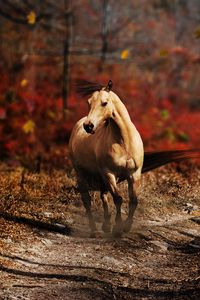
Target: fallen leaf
{"points": [[163, 52], [24, 82], [125, 54], [31, 17], [29, 126]]}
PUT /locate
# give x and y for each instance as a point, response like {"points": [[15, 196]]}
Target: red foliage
{"points": [[31, 121]]}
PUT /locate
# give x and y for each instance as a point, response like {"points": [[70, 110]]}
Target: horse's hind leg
{"points": [[133, 202], [106, 227]]}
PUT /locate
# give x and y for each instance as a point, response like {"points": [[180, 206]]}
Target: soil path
{"points": [[158, 259]]}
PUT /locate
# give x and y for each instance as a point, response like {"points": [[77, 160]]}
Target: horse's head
{"points": [[101, 109]]}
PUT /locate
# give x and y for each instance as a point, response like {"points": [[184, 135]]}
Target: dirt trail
{"points": [[158, 259]]}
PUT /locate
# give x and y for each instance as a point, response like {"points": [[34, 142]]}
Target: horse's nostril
{"points": [[88, 127]]}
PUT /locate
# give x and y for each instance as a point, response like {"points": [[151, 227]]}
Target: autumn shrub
{"points": [[32, 123]]}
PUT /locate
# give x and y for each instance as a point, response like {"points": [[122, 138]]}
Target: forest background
{"points": [[150, 50]]}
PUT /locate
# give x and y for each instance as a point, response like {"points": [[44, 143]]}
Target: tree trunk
{"points": [[66, 57], [66, 64], [105, 31]]}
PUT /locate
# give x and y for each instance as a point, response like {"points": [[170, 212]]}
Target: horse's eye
{"points": [[104, 103]]}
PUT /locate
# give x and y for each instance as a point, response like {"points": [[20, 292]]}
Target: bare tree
{"points": [[105, 31], [45, 12], [66, 54]]}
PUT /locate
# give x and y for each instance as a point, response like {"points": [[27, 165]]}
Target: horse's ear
{"points": [[109, 86]]}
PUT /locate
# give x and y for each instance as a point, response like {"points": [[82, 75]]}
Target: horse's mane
{"points": [[85, 88]]}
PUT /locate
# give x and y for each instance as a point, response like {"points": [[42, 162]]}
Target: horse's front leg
{"points": [[86, 199], [133, 202], [112, 186], [106, 227]]}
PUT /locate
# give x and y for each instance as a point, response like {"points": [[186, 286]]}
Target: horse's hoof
{"points": [[127, 226], [95, 234], [106, 227], [116, 232]]}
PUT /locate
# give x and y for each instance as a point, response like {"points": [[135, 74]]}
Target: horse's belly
{"points": [[87, 164], [116, 158]]}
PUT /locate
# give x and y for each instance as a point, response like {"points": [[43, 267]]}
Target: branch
{"points": [[117, 30], [28, 4], [13, 19], [23, 21], [17, 9]]}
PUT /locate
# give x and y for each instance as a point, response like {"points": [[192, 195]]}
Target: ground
{"points": [[46, 251]]}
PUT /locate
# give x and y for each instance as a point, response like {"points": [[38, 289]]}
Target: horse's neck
{"points": [[123, 121]]}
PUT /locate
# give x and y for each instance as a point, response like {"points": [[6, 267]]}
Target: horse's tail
{"points": [[155, 159]]}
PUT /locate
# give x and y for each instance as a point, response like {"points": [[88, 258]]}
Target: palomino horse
{"points": [[106, 147]]}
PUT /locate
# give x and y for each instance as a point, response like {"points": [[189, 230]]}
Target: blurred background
{"points": [[149, 48]]}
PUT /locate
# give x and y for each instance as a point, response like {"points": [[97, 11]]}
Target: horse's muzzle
{"points": [[88, 127]]}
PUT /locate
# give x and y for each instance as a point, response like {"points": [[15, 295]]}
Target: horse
{"points": [[105, 146]]}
